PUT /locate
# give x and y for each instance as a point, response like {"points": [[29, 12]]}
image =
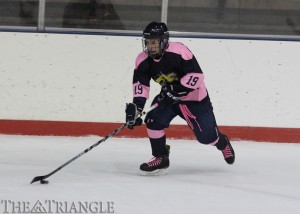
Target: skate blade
{"points": [[154, 173]]}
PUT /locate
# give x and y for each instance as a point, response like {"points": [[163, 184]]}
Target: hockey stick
{"points": [[43, 177]]}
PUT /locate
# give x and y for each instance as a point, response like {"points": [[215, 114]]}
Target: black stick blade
{"points": [[38, 178]]}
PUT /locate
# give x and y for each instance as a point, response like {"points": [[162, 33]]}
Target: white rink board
{"points": [[88, 78]]}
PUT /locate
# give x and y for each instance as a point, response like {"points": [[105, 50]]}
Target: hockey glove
{"points": [[169, 96], [132, 118]]}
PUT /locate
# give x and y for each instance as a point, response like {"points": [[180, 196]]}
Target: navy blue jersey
{"points": [[177, 67]]}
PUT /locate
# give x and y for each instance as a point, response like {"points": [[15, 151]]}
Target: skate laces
{"points": [[154, 161], [227, 152]]}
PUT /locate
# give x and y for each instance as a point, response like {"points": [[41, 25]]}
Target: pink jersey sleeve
{"points": [[194, 81], [140, 58], [140, 90], [179, 48]]}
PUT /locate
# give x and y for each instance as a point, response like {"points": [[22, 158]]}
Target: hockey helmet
{"points": [[155, 39]]}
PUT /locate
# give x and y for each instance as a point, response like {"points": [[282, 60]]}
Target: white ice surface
{"points": [[264, 179]]}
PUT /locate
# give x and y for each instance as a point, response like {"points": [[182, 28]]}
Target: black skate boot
{"points": [[157, 165], [228, 152], [225, 147]]}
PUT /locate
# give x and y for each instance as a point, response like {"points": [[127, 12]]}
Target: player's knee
{"points": [[153, 124]]}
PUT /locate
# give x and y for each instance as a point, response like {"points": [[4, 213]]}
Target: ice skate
{"points": [[157, 165], [228, 152]]}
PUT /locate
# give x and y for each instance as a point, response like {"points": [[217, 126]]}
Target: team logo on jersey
{"points": [[163, 79]]}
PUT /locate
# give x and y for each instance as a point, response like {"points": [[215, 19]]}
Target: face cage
{"points": [[163, 41]]}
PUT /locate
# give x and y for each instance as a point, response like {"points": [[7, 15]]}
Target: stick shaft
{"points": [[39, 178]]}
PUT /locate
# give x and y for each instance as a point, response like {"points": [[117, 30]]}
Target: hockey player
{"points": [[183, 93]]}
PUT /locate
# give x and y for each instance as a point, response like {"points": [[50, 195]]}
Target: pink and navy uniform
{"points": [[183, 93], [177, 67]]}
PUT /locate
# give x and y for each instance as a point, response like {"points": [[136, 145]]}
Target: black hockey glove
{"points": [[132, 118], [169, 96]]}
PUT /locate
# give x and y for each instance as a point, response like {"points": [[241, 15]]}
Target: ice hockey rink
{"points": [[264, 179]]}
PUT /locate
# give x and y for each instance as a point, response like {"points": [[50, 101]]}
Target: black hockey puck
{"points": [[44, 182]]}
